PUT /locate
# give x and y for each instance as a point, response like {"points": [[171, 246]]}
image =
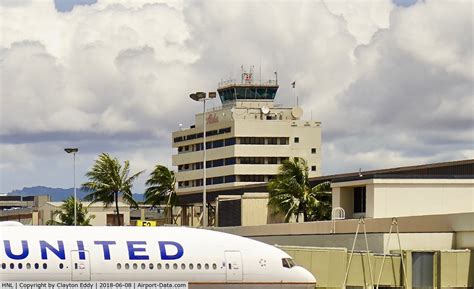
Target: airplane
{"points": [[203, 258]]}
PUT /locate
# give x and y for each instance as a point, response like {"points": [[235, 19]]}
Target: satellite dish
{"points": [[265, 109], [297, 112]]}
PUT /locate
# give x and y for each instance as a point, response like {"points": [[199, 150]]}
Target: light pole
{"points": [[74, 151], [201, 96]]}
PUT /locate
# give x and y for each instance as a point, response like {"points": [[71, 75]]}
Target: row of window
{"points": [[232, 161], [235, 93], [226, 179], [234, 141], [229, 179], [167, 266], [28, 266], [200, 135]]}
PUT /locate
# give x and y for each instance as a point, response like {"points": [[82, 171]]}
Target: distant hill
{"points": [[57, 194]]}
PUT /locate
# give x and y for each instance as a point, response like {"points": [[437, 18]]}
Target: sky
{"points": [[391, 81]]}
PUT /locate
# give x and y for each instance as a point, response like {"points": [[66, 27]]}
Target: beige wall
{"points": [[465, 240], [101, 215], [96, 209], [421, 197], [343, 197], [407, 197], [254, 209]]}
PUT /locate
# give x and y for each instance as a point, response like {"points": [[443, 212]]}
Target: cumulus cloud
{"points": [[389, 83]]}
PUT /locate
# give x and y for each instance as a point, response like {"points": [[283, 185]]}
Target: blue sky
{"points": [[68, 5]]}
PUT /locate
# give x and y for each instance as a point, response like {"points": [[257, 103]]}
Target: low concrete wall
{"points": [[377, 242], [438, 232], [452, 268]]}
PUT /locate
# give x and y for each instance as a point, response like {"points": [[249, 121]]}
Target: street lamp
{"points": [[201, 96], [74, 151]]}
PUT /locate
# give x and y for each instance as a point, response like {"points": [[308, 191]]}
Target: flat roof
{"points": [[462, 169]]}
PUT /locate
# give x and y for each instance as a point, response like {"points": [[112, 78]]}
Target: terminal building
{"points": [[247, 138]]}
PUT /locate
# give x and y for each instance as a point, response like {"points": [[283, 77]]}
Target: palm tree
{"points": [[162, 189], [322, 210], [290, 191], [66, 214], [107, 180]]}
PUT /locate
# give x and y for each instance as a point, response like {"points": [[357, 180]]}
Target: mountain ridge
{"points": [[56, 194]]}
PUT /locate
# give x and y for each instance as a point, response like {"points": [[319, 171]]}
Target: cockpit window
{"points": [[288, 263]]}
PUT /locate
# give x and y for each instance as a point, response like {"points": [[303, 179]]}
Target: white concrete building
{"points": [[247, 139], [443, 188], [388, 197]]}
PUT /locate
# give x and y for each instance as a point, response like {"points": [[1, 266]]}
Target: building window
{"points": [[297, 140], [359, 200], [230, 141], [272, 140], [283, 159], [313, 168], [252, 178], [230, 179], [313, 150], [272, 161], [217, 180], [218, 163], [283, 141], [218, 144]]}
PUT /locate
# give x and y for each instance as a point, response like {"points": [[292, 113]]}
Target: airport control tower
{"points": [[247, 138]]}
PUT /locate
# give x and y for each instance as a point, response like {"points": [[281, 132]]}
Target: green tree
{"points": [[322, 210], [66, 214], [291, 193], [107, 180], [162, 189]]}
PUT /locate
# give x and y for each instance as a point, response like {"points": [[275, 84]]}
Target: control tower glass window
{"points": [[247, 92]]}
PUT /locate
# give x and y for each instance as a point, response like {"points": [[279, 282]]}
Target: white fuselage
{"points": [[204, 258]]}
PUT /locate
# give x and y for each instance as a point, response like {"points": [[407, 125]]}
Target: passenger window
{"points": [[37, 266], [127, 266], [135, 266], [45, 266], [119, 266], [183, 266], [199, 266], [214, 266], [191, 266], [143, 266], [4, 266], [206, 266], [158, 266], [28, 266], [167, 266], [151, 265], [230, 266], [12, 266], [61, 265], [175, 266], [20, 266]]}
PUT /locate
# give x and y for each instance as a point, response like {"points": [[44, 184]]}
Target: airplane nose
{"points": [[307, 276]]}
